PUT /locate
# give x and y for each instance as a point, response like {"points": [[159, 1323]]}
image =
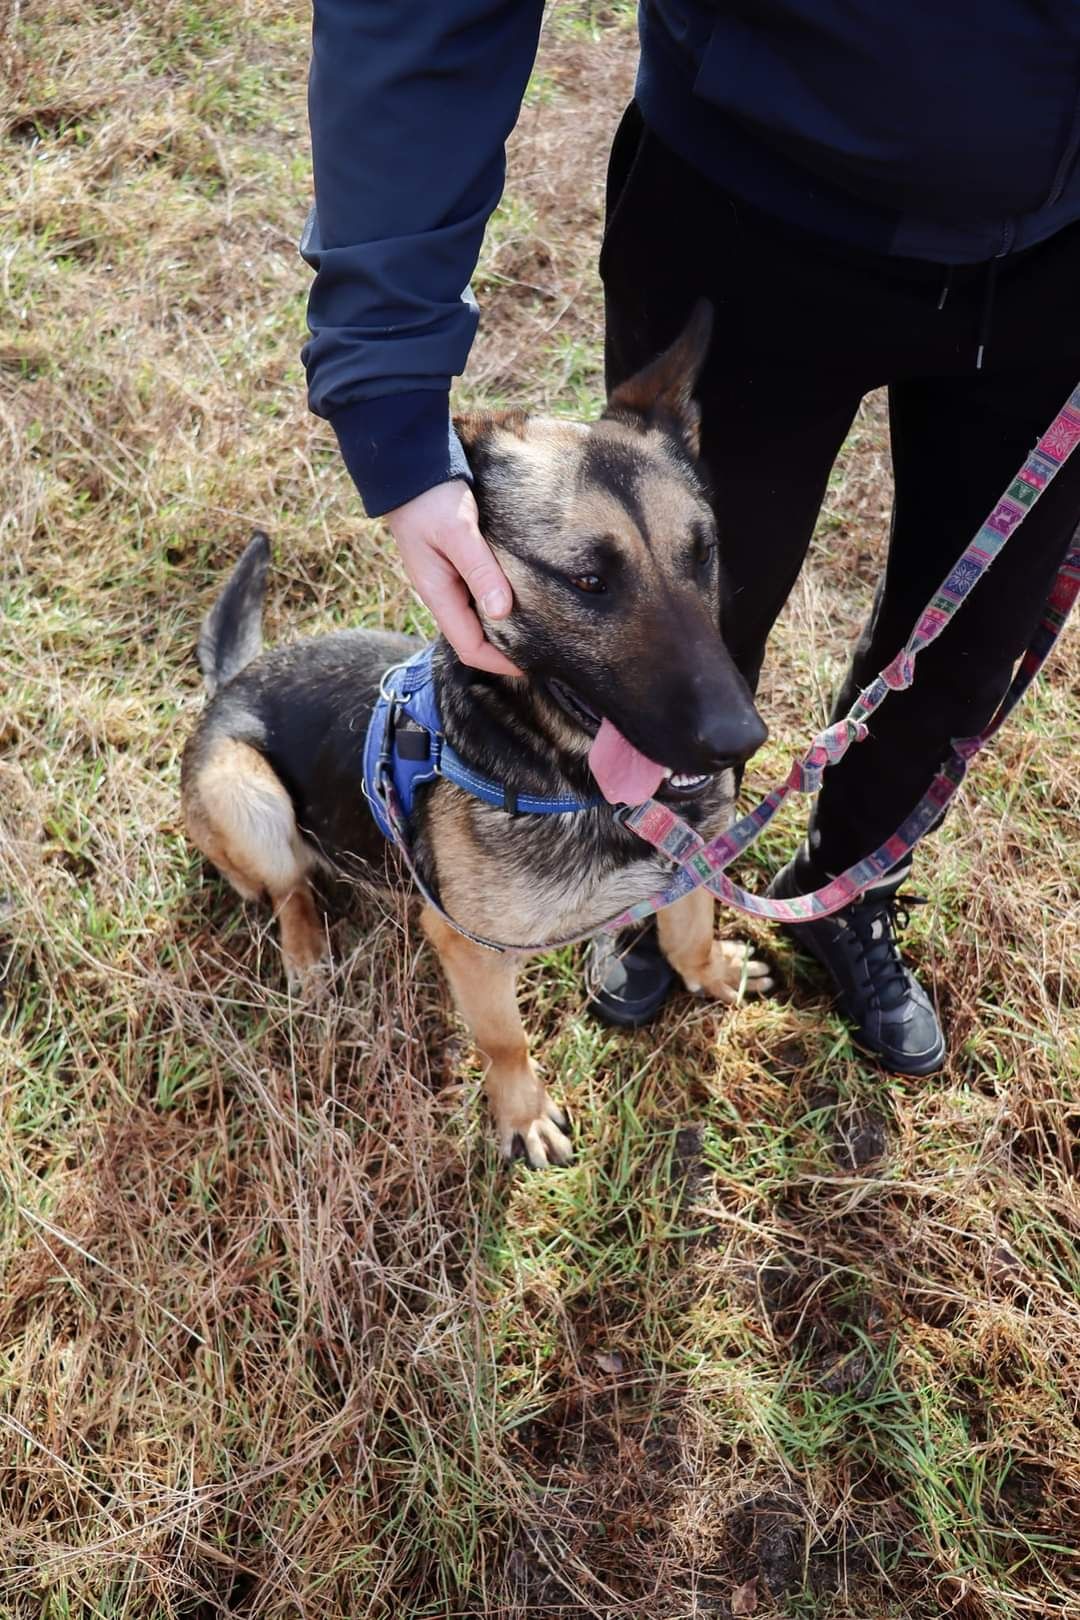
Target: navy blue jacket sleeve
{"points": [[410, 102]]}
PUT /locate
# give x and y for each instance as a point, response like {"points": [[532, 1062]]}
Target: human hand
{"points": [[451, 566]]}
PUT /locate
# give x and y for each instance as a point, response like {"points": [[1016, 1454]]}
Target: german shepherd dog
{"points": [[606, 534]]}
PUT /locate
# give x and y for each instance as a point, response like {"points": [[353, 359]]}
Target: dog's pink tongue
{"points": [[624, 775]]}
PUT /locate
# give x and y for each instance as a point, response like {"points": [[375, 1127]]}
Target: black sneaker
{"points": [[893, 1016], [631, 978]]}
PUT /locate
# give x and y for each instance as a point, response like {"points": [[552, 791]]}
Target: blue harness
{"points": [[405, 747]]}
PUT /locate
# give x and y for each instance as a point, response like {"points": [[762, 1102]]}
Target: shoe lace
{"points": [[875, 926]]}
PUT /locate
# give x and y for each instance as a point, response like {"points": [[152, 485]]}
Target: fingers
{"points": [[458, 622], [474, 560], [452, 566]]}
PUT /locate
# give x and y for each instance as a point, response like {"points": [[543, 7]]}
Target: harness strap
{"points": [[454, 768], [406, 743]]}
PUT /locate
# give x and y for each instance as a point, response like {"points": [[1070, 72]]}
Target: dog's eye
{"points": [[590, 584], [704, 547]]}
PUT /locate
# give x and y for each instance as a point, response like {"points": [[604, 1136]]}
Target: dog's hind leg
{"points": [[483, 988], [239, 813], [717, 967]]}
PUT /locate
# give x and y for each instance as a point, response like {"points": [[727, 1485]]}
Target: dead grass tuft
{"points": [[279, 1337]]}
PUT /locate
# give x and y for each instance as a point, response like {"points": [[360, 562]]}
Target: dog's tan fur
{"points": [[483, 988], [239, 813], [499, 897]]}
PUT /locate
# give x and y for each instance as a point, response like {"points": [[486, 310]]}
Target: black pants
{"points": [[804, 329]]}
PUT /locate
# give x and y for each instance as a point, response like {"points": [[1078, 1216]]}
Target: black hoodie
{"points": [[928, 129]]}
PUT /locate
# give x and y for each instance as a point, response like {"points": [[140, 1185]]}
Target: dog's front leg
{"points": [[716, 967], [483, 986]]}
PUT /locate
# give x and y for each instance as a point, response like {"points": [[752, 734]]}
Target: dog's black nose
{"points": [[720, 714], [728, 737]]}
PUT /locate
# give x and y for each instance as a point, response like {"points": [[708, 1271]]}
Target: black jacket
{"points": [[928, 129]]}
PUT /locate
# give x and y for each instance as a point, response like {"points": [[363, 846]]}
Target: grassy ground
{"points": [[279, 1337]]}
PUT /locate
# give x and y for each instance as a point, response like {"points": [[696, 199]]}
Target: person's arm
{"points": [[410, 107]]}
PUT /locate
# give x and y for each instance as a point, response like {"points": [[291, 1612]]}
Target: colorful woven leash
{"points": [[703, 864], [700, 864]]}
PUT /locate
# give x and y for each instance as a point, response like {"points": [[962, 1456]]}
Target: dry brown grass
{"points": [[279, 1337]]}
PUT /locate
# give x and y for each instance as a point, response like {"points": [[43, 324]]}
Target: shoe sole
{"points": [[918, 1068]]}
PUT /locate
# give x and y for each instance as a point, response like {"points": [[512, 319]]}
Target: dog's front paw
{"points": [[527, 1121], [543, 1141], [732, 972]]}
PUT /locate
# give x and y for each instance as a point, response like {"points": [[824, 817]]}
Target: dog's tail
{"points": [[231, 634]]}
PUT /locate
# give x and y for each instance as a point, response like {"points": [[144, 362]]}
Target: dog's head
{"points": [[607, 537]]}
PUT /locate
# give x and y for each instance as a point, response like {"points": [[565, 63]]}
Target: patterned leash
{"points": [[703, 864], [700, 864]]}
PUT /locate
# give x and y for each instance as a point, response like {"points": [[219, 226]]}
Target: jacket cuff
{"points": [[399, 446]]}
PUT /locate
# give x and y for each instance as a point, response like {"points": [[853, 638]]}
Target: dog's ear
{"points": [[473, 428], [665, 387]]}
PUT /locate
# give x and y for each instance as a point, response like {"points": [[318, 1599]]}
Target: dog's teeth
{"points": [[686, 781], [666, 771]]}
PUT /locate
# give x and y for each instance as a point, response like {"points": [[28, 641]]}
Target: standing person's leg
{"points": [[958, 438], [989, 424]]}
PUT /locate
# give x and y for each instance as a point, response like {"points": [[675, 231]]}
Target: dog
{"points": [[609, 541]]}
